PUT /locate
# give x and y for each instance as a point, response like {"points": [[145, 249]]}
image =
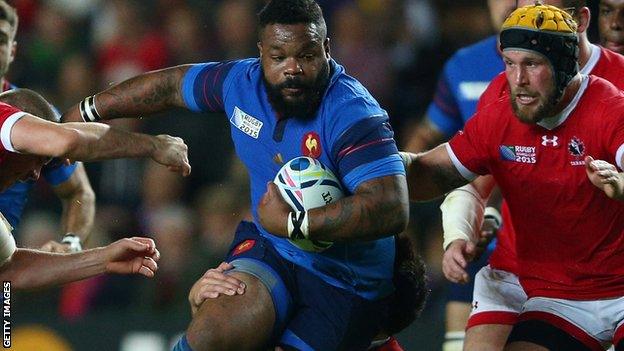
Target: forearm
{"points": [[431, 175], [462, 215], [96, 141], [376, 210], [78, 204], [32, 269], [138, 96]]}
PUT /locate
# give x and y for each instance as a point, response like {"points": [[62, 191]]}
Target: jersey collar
{"points": [[554, 122], [592, 61]]}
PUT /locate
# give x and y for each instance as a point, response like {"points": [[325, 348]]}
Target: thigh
{"points": [[240, 322], [329, 318], [487, 337], [498, 298], [252, 320], [539, 335]]}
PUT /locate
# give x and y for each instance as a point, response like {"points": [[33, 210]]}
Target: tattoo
{"points": [[148, 93], [447, 178], [379, 208]]}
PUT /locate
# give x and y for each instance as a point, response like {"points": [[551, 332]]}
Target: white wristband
{"points": [[462, 215], [297, 224], [73, 241]]}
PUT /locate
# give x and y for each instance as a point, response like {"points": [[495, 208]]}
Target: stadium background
{"points": [[68, 49]]}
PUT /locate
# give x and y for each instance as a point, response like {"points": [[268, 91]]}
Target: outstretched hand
{"points": [[273, 211], [605, 177], [456, 258], [214, 283], [172, 152], [135, 255]]}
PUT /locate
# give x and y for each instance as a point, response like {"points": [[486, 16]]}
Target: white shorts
{"points": [[595, 323], [497, 298]]}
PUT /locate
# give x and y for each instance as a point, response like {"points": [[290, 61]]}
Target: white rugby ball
{"points": [[305, 183]]}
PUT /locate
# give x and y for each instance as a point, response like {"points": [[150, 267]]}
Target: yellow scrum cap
{"points": [[549, 31], [542, 18]]}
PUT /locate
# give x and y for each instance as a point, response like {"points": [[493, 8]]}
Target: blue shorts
{"points": [[463, 292], [310, 313]]}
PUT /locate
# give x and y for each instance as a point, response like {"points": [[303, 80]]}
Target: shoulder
{"points": [[610, 67], [467, 56], [602, 95], [347, 100]]}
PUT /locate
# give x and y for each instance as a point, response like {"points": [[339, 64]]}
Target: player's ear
{"points": [[259, 45], [13, 51], [327, 50], [583, 18]]}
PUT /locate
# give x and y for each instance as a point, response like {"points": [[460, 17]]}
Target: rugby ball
{"points": [[305, 183]]}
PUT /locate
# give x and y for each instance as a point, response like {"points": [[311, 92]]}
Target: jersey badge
{"points": [[277, 158], [246, 123], [576, 147], [311, 145], [520, 154], [243, 247]]}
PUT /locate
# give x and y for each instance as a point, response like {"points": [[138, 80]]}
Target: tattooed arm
{"points": [[141, 95], [432, 174], [378, 208]]}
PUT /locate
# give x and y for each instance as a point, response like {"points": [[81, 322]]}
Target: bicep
{"points": [[36, 136]]}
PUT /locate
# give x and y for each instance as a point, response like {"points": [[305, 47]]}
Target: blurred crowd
{"points": [[68, 49]]}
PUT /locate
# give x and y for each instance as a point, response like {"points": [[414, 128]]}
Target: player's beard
{"points": [[310, 98], [546, 107]]}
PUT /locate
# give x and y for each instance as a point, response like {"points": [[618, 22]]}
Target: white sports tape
{"points": [[462, 215], [7, 242]]}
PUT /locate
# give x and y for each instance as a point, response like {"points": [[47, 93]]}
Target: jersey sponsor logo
{"points": [[576, 147], [311, 145], [520, 154], [244, 247], [472, 90], [246, 123], [546, 141]]}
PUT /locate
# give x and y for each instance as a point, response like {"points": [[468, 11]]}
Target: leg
{"points": [[539, 335], [456, 317], [241, 322], [487, 337], [31, 102], [525, 346]]}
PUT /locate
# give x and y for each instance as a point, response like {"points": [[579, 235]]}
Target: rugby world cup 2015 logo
{"points": [[516, 153]]}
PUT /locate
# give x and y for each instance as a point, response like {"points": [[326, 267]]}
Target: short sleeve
{"points": [[9, 115], [443, 112], [57, 172], [468, 149], [203, 86]]}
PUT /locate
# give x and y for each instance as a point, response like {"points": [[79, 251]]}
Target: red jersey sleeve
{"points": [[8, 116], [494, 91], [614, 131], [468, 150]]}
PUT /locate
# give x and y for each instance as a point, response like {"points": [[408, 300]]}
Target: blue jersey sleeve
{"points": [[365, 151], [444, 111], [202, 87], [56, 172]]}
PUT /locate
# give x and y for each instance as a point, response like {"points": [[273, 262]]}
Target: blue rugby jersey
{"points": [[13, 200], [350, 134], [465, 77]]}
